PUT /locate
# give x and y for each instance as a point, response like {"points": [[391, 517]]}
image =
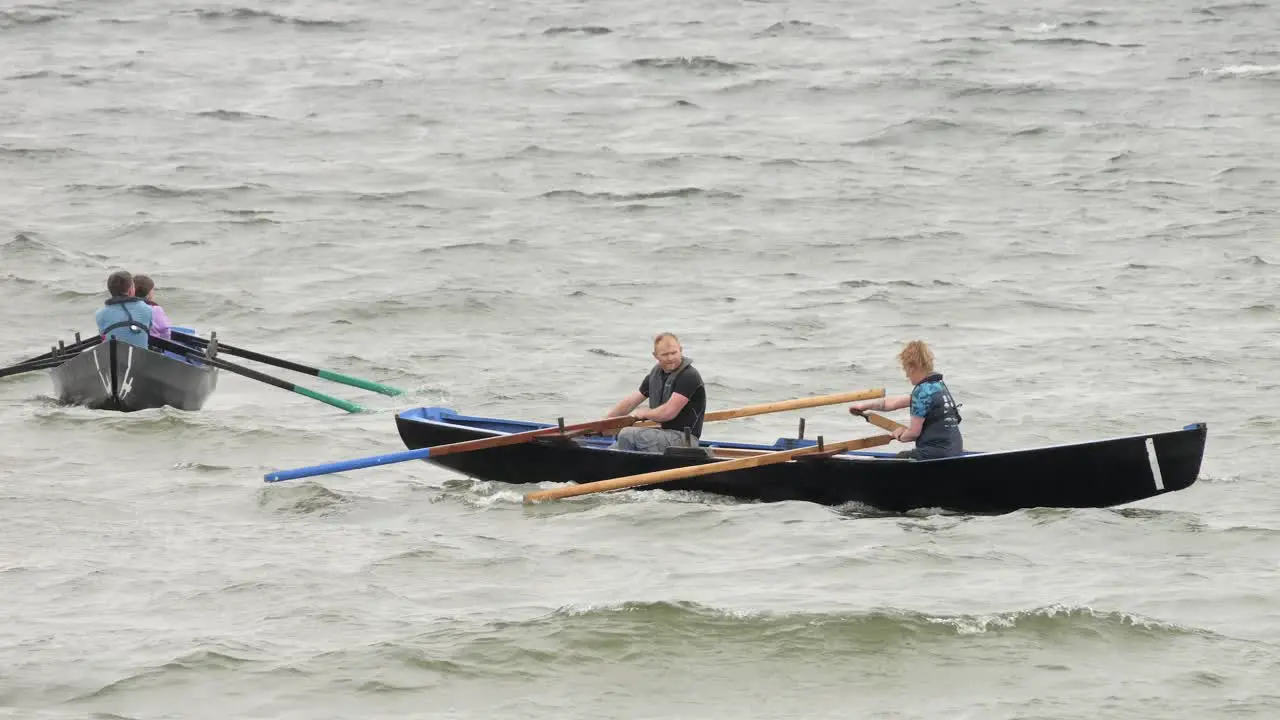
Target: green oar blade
{"points": [[357, 382], [336, 402]]}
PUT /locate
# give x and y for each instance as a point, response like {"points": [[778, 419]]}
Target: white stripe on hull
{"points": [[1155, 463]]}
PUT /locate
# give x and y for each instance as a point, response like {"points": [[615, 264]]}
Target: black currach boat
{"points": [[115, 375], [1099, 473]]}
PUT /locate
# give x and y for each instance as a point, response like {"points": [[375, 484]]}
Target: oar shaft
{"points": [[660, 476], [32, 366], [255, 375], [441, 450], [299, 367], [882, 422], [284, 385], [785, 405], [73, 348], [358, 382], [344, 465]]}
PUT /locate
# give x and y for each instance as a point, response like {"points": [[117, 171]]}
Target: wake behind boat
{"points": [[115, 375], [1099, 473]]}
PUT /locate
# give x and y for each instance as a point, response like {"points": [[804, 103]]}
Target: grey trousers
{"points": [[652, 440]]}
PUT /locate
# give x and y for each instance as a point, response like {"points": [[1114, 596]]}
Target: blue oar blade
{"points": [[344, 465]]}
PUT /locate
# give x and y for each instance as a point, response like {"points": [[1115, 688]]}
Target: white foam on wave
{"points": [[980, 624], [1242, 70]]}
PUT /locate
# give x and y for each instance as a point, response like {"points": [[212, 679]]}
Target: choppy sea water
{"points": [[495, 207]]}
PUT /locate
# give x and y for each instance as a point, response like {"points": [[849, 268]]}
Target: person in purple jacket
{"points": [[145, 288]]}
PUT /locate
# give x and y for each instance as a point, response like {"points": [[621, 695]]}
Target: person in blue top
{"points": [[935, 421], [124, 317]]}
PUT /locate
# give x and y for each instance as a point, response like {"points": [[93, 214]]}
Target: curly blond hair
{"points": [[916, 356]]}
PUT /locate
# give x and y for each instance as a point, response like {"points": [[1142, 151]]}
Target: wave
{"points": [[900, 132], [199, 661], [697, 63], [23, 17], [583, 30], [304, 498], [47, 74], [232, 115], [34, 153], [200, 467], [471, 245], [800, 28], [1011, 89], [1074, 41], [266, 15], [1242, 71], [573, 637], [167, 191], [1230, 8], [392, 195], [684, 192], [1051, 27], [874, 626], [30, 245]]}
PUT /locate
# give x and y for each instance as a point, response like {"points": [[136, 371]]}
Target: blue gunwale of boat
{"points": [[499, 426]]}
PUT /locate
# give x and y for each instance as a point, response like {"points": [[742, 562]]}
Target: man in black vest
{"points": [[677, 400]]}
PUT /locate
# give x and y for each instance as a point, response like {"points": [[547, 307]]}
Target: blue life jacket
{"points": [[940, 435], [127, 319]]}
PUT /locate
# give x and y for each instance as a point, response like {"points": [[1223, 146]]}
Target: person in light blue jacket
{"points": [[935, 415], [124, 317]]}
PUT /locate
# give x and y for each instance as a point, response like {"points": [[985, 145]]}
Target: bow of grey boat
{"points": [[115, 375]]}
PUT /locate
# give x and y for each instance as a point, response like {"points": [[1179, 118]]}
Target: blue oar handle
{"points": [[343, 465]]}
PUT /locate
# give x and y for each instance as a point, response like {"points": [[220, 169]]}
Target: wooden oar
{"points": [[660, 476], [255, 375], [439, 450], [879, 421], [784, 405], [298, 367]]}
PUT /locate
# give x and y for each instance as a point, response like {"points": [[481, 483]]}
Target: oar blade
{"points": [[357, 382], [252, 374], [299, 367], [451, 448], [344, 465], [328, 399]]}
